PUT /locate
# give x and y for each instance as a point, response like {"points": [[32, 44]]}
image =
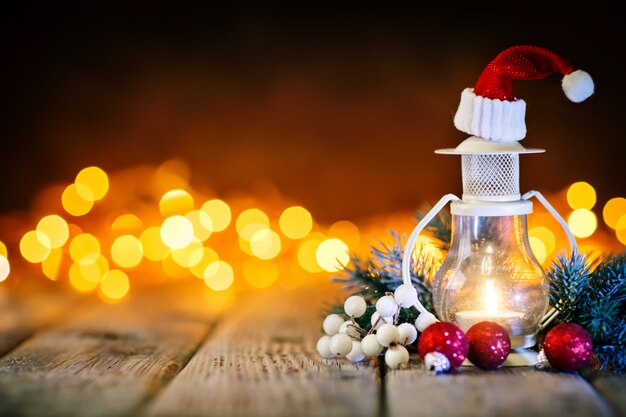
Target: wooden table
{"points": [[183, 351]]}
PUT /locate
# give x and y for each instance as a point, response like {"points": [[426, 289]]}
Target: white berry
{"points": [[424, 320], [387, 334], [405, 295], [355, 306], [378, 321], [323, 347], [331, 325], [356, 354], [396, 356], [370, 345], [386, 306], [340, 344], [408, 333], [349, 328]]}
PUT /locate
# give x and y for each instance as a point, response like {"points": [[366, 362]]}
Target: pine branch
{"points": [[567, 284]]}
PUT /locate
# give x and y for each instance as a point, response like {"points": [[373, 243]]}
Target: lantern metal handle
{"points": [[406, 258], [553, 312], [570, 236]]}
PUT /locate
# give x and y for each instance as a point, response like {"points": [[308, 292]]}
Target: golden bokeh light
{"points": [[153, 247], [581, 195], [538, 248], [74, 203], [219, 212], [5, 268], [93, 268], [620, 229], [127, 251], [126, 223], [249, 217], [202, 224], [307, 257], [3, 250], [35, 246], [84, 247], [250, 229], [51, 266], [176, 202], [346, 231], [114, 285], [176, 232], [546, 237], [260, 273], [207, 256], [190, 255], [219, 275], [332, 255], [613, 210], [92, 183], [295, 222], [79, 281], [265, 244], [55, 228], [582, 222]]}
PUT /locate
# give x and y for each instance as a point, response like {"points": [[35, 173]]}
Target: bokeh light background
{"points": [[257, 146]]}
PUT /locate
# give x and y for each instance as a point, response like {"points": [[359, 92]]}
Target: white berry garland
{"points": [[345, 338]]}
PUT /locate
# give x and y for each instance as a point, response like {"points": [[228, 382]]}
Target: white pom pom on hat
{"points": [[491, 111], [578, 86]]}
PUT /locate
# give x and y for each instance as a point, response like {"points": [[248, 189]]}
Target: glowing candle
{"points": [[491, 312]]}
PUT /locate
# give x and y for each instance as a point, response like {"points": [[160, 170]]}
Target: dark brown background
{"points": [[338, 104]]}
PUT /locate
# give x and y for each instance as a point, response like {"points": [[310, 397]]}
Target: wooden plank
{"points": [[27, 308], [507, 392], [104, 360], [613, 388], [261, 361]]}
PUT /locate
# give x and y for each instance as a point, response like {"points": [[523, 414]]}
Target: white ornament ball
{"points": [[408, 333], [323, 347], [355, 306], [349, 328], [340, 344], [396, 356], [386, 306], [331, 325], [424, 320], [387, 334], [436, 362], [370, 345], [405, 295], [356, 354]]}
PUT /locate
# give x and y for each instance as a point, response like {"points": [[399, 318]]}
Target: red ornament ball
{"points": [[489, 344], [446, 338], [568, 347]]}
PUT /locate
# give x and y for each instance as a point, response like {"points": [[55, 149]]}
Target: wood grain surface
{"points": [[103, 360], [186, 351], [261, 361]]}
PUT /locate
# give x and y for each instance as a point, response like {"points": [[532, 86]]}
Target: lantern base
{"points": [[517, 357]]}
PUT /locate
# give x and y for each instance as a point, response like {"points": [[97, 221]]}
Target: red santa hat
{"points": [[491, 111]]}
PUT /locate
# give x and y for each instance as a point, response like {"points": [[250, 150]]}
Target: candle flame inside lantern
{"points": [[491, 297]]}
